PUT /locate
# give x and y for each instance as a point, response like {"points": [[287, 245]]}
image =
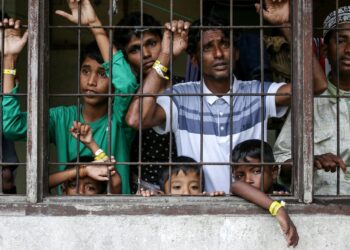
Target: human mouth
{"points": [[220, 65], [147, 65]]}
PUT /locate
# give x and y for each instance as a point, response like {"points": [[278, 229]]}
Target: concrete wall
{"points": [[170, 232]]}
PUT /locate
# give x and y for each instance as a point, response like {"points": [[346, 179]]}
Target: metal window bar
{"points": [[301, 76]]}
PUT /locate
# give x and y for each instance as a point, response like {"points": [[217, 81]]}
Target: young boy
{"points": [[92, 179], [250, 152], [93, 80], [145, 45]]}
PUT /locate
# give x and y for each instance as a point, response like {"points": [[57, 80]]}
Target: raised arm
{"points": [[277, 12], [257, 197], [83, 132], [13, 45], [88, 17], [152, 114]]}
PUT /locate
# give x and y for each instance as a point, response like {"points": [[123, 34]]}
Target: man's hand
{"points": [[13, 40], [88, 14], [179, 29], [276, 12], [288, 228], [329, 162]]}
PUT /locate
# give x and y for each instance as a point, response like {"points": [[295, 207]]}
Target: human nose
{"points": [[347, 47], [249, 179], [92, 80], [218, 51], [146, 52], [81, 189], [186, 190]]}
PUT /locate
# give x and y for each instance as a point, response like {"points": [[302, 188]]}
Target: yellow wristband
{"points": [[10, 72], [162, 67], [161, 70], [274, 207], [100, 156]]}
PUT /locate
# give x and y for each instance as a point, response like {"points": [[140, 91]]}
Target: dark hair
{"points": [[92, 51], [102, 184], [327, 38], [194, 35], [122, 36], [164, 174], [252, 148]]}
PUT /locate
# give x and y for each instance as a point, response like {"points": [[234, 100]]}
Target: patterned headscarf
{"points": [[331, 20]]}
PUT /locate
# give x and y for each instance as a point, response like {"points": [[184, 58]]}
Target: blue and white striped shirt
{"points": [[246, 123]]}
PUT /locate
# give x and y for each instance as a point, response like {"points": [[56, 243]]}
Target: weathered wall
{"points": [[170, 232]]}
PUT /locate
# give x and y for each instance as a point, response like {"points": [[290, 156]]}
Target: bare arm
{"points": [[13, 45], [152, 114], [277, 12], [88, 17], [257, 197]]}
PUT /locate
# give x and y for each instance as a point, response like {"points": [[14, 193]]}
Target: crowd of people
{"points": [[214, 122]]}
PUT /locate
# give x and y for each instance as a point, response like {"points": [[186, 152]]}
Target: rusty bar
{"points": [[302, 128], [38, 60]]}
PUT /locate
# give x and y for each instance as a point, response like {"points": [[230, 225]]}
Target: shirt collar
{"points": [[332, 89], [211, 99]]}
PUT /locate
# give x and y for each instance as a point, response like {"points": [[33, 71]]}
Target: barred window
{"points": [[242, 78]]}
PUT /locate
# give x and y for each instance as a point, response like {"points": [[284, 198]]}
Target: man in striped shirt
{"points": [[199, 113]]}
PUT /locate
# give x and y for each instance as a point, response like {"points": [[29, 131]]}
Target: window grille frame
{"points": [[35, 201]]}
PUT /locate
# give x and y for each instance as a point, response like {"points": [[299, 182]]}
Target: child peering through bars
{"points": [[93, 81], [145, 45], [92, 178], [212, 144], [185, 179], [259, 176]]}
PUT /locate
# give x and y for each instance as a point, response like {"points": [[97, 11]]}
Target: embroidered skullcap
{"points": [[331, 20]]}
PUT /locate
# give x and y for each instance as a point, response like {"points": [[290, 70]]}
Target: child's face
{"points": [[151, 50], [93, 80], [183, 184], [252, 174], [87, 186]]}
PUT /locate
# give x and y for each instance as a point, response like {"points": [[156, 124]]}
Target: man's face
{"points": [[343, 49], [151, 51], [216, 55], [252, 174], [183, 184], [93, 80], [87, 186]]}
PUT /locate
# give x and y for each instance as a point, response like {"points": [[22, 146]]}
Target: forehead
{"points": [[181, 176], [344, 29], [88, 61], [213, 35], [136, 39]]}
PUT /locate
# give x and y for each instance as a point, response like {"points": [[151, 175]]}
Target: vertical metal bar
{"points": [[232, 46], [337, 69], [302, 127], [139, 179], [262, 97], [37, 134], [201, 87], [1, 91], [110, 100], [171, 98], [78, 99]]}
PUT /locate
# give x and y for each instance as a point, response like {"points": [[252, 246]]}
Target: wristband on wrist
{"points": [[161, 70], [275, 206], [98, 151], [9, 72], [100, 156]]}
